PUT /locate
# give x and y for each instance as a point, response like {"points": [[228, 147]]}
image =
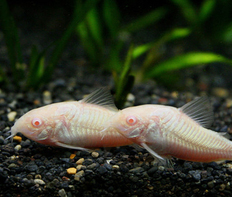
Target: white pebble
{"points": [[130, 98], [11, 115], [47, 97], [39, 181], [18, 147], [95, 154]]}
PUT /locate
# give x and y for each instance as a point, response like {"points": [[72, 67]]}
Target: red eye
{"points": [[36, 122], [131, 120]]}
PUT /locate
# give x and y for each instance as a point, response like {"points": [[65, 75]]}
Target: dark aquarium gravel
{"points": [[31, 169]]}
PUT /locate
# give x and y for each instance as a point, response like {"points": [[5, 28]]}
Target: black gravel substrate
{"points": [[31, 169]]}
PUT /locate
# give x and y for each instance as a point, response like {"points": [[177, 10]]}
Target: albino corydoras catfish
{"points": [[73, 124], [170, 132]]}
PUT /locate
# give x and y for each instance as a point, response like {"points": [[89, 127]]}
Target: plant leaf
{"points": [[206, 10], [80, 12], [173, 35], [125, 80], [88, 43], [188, 10], [12, 41], [144, 21], [111, 16], [95, 27], [185, 61]]}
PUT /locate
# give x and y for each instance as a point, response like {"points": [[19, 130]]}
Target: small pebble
{"points": [[222, 187], [136, 170], [71, 170], [72, 156], [71, 187], [38, 176], [87, 162], [39, 181], [196, 174], [31, 167], [79, 167], [161, 168], [13, 104], [17, 138], [115, 167], [101, 170], [26, 143], [47, 98], [62, 193], [12, 165], [80, 161], [95, 154], [130, 98], [18, 147], [228, 103], [78, 175], [36, 102], [11, 115], [210, 184], [220, 92], [13, 157], [91, 166]]}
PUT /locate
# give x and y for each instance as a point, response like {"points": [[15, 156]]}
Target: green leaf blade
{"points": [[111, 16], [186, 61], [144, 21]]}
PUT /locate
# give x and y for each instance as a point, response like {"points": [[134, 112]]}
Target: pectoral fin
{"points": [[70, 146], [154, 154], [165, 161]]}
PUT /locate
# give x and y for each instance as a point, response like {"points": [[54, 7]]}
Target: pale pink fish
{"points": [[167, 131], [74, 124]]}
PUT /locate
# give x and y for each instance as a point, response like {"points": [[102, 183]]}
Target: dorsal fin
{"points": [[101, 97], [199, 110]]}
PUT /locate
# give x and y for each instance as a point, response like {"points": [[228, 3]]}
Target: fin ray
{"points": [[101, 97], [200, 110]]}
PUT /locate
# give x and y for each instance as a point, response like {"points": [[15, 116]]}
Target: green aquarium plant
{"points": [[40, 67], [14, 51], [104, 38], [124, 80], [209, 20]]}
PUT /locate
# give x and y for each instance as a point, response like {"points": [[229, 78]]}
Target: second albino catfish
{"points": [[95, 122], [167, 131]]}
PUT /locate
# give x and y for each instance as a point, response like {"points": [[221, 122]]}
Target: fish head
{"points": [[130, 122], [36, 124]]}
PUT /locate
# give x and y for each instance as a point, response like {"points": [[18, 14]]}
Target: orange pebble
{"points": [[17, 138], [72, 156], [36, 102]]}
